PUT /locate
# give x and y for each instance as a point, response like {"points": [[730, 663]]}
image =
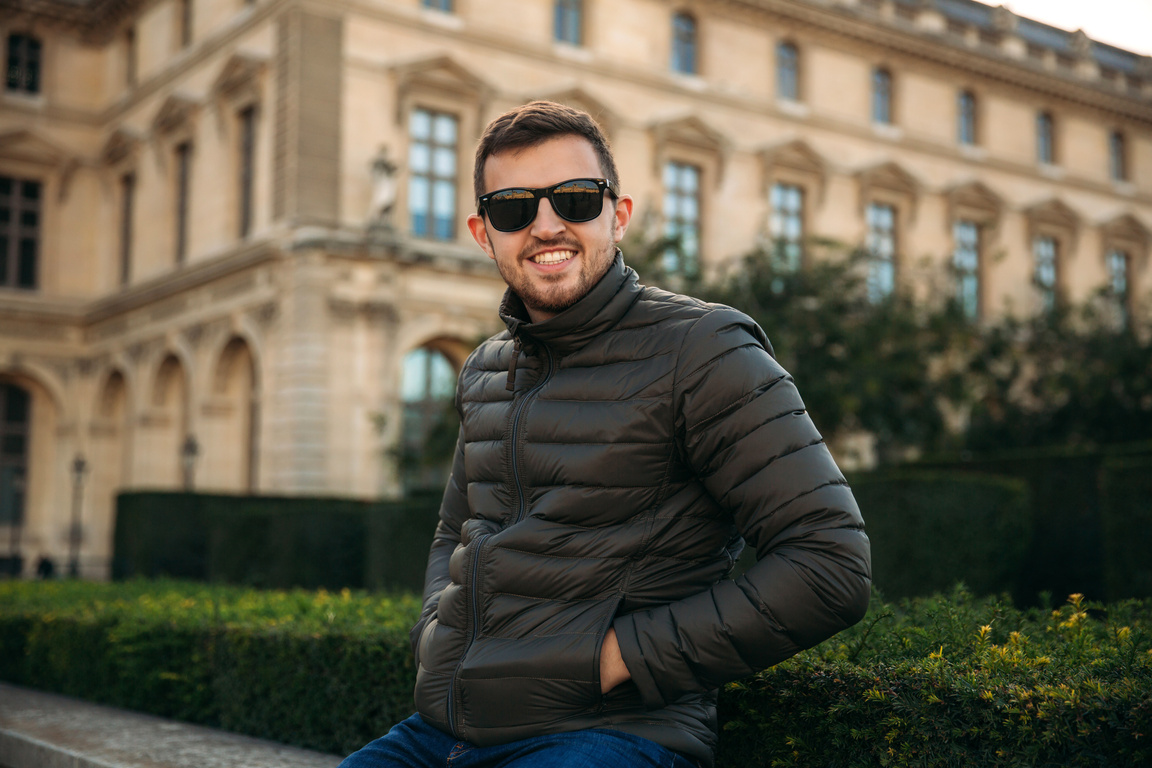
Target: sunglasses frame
{"points": [[605, 185]]}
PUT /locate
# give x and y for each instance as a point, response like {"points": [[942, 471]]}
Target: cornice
{"points": [[170, 284]]}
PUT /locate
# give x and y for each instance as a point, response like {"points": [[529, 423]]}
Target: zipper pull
{"points": [[511, 385]]}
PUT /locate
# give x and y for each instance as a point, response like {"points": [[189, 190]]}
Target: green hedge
{"points": [[940, 681], [274, 542], [1126, 485], [1065, 552], [931, 529]]}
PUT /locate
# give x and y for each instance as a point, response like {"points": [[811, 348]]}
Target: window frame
{"points": [[967, 118], [882, 96], [1118, 156], [787, 71], [792, 249], [444, 6], [28, 60], [429, 232], [248, 125], [675, 224], [18, 233], [1047, 288], [886, 257], [970, 302], [568, 22], [685, 54], [1122, 299], [183, 154], [1045, 138], [128, 182]]}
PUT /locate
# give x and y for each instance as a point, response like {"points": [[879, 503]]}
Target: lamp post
{"points": [[75, 533], [188, 453]]}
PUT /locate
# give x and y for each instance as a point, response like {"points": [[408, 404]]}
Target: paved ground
{"points": [[43, 730]]}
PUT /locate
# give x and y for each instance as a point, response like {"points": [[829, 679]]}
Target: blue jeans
{"points": [[415, 744]]}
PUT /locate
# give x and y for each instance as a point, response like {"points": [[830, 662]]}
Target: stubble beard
{"points": [[553, 297]]}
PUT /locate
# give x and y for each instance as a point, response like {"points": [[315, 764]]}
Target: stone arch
{"points": [[165, 423], [109, 460], [230, 418], [34, 504]]}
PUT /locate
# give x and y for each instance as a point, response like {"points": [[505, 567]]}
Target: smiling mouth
{"points": [[549, 258]]}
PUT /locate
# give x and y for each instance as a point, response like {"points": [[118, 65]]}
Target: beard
{"points": [[553, 293]]}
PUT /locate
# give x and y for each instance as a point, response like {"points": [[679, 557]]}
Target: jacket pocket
{"points": [[541, 676]]}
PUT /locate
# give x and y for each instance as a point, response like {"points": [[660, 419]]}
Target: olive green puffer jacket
{"points": [[612, 462]]}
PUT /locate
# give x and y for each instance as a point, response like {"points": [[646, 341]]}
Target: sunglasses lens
{"points": [[512, 209], [579, 200]]}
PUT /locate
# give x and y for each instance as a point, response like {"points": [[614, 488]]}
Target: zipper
{"points": [[522, 507], [474, 591]]}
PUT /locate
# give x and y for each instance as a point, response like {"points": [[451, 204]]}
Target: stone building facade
{"points": [[232, 252]]}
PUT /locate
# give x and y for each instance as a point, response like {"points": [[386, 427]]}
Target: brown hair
{"points": [[534, 123]]}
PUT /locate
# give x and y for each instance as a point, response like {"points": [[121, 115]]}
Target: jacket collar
{"points": [[599, 310]]}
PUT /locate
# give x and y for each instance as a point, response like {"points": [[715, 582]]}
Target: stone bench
{"points": [[44, 730]]}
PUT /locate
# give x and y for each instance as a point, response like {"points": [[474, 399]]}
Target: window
{"points": [[185, 23], [23, 64], [569, 21], [787, 72], [881, 96], [1117, 157], [183, 179], [127, 210], [684, 44], [1118, 269], [786, 225], [1045, 146], [1044, 251], [247, 121], [966, 126], [19, 232], [966, 263], [439, 5], [682, 217], [427, 392], [15, 420], [881, 280], [432, 182]]}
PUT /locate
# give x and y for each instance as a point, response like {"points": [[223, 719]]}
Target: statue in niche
{"points": [[384, 185]]}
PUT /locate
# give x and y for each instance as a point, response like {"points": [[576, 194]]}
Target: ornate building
{"points": [[231, 243]]}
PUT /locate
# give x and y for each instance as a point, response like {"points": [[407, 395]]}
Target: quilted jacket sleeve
{"points": [[453, 513], [746, 434]]}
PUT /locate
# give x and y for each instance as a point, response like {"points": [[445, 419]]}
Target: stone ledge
{"points": [[44, 730]]}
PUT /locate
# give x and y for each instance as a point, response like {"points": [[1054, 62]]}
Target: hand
{"points": [[613, 671]]}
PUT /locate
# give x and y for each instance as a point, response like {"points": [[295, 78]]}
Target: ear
{"points": [[479, 232], [623, 216]]}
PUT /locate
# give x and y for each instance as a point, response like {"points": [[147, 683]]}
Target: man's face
{"points": [[551, 263]]}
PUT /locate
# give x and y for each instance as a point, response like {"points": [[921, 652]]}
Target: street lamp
{"points": [[79, 467], [188, 453]]}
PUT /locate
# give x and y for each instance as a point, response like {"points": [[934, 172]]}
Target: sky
{"points": [[1123, 23]]}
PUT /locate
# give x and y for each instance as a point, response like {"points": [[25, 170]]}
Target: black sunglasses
{"points": [[575, 200]]}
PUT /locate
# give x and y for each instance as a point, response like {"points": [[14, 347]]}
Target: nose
{"points": [[547, 223]]}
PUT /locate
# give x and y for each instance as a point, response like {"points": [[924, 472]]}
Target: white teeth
{"points": [[553, 257]]}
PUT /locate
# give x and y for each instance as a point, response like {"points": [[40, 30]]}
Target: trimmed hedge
{"points": [[940, 681], [1065, 552], [931, 529], [1126, 485], [274, 542]]}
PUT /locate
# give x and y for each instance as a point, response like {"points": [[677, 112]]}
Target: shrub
{"points": [[937, 681], [930, 529], [1126, 508]]}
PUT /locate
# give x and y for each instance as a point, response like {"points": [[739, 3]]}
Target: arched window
{"points": [[428, 436], [684, 44], [787, 72], [881, 96]]}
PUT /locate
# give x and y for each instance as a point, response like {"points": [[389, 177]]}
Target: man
{"points": [[618, 445]]}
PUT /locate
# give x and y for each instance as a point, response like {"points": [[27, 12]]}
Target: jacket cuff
{"points": [[633, 657]]}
